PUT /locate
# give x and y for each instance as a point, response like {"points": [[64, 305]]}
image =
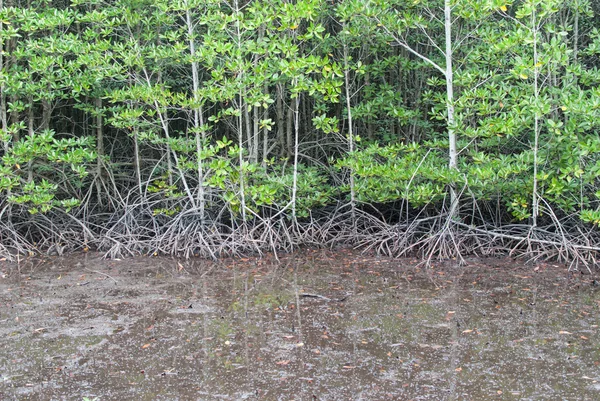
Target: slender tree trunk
{"points": [[99, 148], [295, 107], [369, 122], [199, 144], [255, 134], [576, 31], [166, 130], [452, 152], [3, 116], [536, 131], [198, 115], [248, 123], [305, 121], [169, 165], [240, 122], [31, 132], [350, 126], [254, 144], [280, 115], [265, 152], [242, 184], [136, 160], [289, 129], [14, 119], [46, 114]]}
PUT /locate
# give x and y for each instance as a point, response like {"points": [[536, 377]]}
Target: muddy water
{"points": [[315, 326]]}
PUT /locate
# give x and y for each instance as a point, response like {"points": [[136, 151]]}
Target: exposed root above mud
{"points": [[136, 230]]}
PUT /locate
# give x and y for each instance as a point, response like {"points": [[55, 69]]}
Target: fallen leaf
{"points": [[467, 331], [348, 367], [283, 363], [583, 337], [564, 332], [145, 346], [458, 370]]}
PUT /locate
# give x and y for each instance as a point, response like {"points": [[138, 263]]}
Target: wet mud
{"points": [[317, 325]]}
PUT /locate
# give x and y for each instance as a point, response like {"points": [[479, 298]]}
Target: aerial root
{"points": [[136, 230]]}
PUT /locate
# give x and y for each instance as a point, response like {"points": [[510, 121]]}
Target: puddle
{"points": [[318, 325]]}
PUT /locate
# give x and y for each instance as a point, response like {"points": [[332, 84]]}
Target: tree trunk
{"points": [[452, 153], [255, 134], [280, 119], [265, 152], [248, 122], [197, 112], [536, 131], [31, 132], [99, 149], [240, 76], [46, 114], [294, 109], [289, 129], [136, 160], [350, 127], [3, 117]]}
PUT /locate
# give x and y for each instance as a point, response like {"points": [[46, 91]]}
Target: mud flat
{"points": [[316, 325]]}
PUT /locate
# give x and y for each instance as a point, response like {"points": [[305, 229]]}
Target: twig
{"points": [[104, 274]]}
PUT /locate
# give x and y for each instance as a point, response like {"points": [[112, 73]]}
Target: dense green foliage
{"points": [[128, 119]]}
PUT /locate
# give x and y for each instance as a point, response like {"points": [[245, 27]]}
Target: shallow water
{"points": [[316, 326]]}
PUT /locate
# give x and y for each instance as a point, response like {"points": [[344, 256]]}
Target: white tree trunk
{"points": [[197, 112], [3, 117], [350, 126], [535, 205], [240, 119], [296, 151], [452, 153]]}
